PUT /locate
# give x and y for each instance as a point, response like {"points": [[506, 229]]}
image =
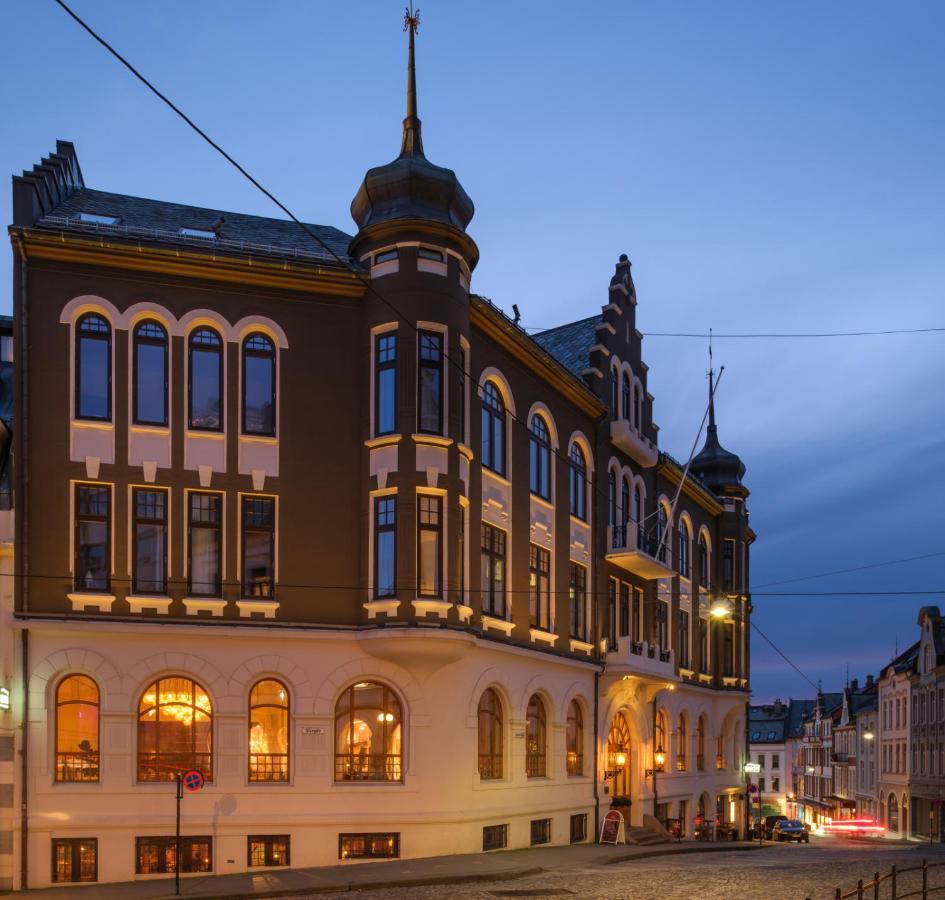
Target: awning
{"points": [[817, 804]]}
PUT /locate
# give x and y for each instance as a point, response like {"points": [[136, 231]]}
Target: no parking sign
{"points": [[193, 780]]}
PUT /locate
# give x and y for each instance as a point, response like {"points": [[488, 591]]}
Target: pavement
{"points": [[393, 875]]}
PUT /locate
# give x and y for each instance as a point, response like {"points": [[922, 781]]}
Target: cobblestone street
{"points": [[786, 872]]}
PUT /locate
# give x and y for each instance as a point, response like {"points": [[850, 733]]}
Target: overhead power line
{"points": [[891, 562], [822, 334], [784, 656]]}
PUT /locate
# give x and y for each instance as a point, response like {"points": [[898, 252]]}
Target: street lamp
{"points": [[868, 736], [659, 760], [721, 609], [618, 760]]}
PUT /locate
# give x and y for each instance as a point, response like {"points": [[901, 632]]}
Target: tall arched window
{"points": [[638, 408], [703, 561], [369, 739], [490, 735], [893, 814], [77, 729], [577, 474], [662, 522], [625, 513], [269, 731], [149, 401], [612, 499], [259, 385], [493, 429], [535, 738], [637, 508], [93, 368], [682, 744], [175, 730], [615, 393], [539, 458], [206, 381], [575, 739], [682, 551], [659, 739], [627, 400], [700, 744]]}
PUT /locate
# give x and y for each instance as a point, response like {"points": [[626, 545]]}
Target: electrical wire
{"points": [[784, 656], [891, 562], [764, 335]]}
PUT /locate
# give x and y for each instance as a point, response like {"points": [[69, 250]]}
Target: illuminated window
{"points": [[493, 570], [269, 732], [535, 738], [175, 730], [682, 744], [93, 368], [539, 456], [258, 521], [259, 385], [158, 855], [205, 376], [369, 846], [682, 644], [385, 382], [659, 738], [577, 482], [77, 729], [368, 734], [539, 587], [267, 850], [577, 599], [700, 744], [490, 735], [429, 546], [430, 382], [493, 429], [574, 739], [149, 378], [92, 567], [74, 859]]}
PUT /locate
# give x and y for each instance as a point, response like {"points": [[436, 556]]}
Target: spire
{"points": [[712, 427], [412, 143]]}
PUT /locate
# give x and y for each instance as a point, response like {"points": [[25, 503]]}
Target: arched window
{"points": [[175, 730], [615, 393], [625, 397], [638, 408], [493, 429], [490, 735], [269, 731], [638, 511], [682, 551], [368, 734], [700, 744], [149, 402], [77, 705], [93, 368], [612, 498], [682, 744], [703, 561], [259, 385], [659, 740], [624, 513], [575, 739], [539, 458], [662, 522], [206, 381], [578, 482], [893, 814], [535, 738]]}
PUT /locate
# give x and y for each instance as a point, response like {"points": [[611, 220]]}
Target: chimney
{"points": [[869, 680], [854, 685]]}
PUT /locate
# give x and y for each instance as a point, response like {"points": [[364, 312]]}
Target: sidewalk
{"points": [[496, 866]]}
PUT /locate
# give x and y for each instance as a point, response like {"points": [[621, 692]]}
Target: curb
{"points": [[682, 849]]}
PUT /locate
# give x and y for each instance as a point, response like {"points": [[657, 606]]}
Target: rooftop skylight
{"points": [[88, 218], [197, 233]]}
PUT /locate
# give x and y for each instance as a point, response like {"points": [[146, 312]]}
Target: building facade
{"points": [[894, 738], [768, 747], [298, 510]]}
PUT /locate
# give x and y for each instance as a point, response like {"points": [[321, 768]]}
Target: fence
{"points": [[896, 884]]}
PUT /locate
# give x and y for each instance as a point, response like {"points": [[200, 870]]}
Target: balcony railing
{"points": [[638, 551], [368, 767], [268, 766], [75, 767], [166, 766], [641, 449], [535, 765]]}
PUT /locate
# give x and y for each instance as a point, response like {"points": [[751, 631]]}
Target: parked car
{"points": [[790, 830], [768, 823]]}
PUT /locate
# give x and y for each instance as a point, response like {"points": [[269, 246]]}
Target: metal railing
{"points": [[535, 765], [490, 765], [268, 766], [631, 536], [897, 887], [166, 766], [368, 767], [73, 767]]}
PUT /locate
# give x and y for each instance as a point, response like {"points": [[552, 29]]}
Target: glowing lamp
{"points": [[720, 610], [868, 735], [659, 758], [621, 759]]}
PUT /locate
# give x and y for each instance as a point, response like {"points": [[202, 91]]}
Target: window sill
{"points": [[139, 603], [387, 607], [729, 681], [541, 501], [423, 607], [266, 607], [579, 646], [498, 624], [384, 440], [98, 424], [434, 440], [685, 673], [705, 678], [102, 602], [267, 439], [546, 637], [156, 430], [195, 605], [465, 612], [465, 451], [212, 435], [577, 520], [496, 477]]}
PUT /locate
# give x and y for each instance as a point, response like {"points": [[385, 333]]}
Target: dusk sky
{"points": [[768, 167]]}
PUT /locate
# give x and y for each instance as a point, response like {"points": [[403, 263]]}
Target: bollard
{"points": [[893, 879], [876, 886], [859, 890], [837, 894], [925, 879]]}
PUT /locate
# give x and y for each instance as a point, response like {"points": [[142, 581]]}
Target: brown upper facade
{"points": [[230, 419]]}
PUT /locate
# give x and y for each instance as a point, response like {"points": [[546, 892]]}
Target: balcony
{"points": [[640, 449], [642, 658], [637, 552]]}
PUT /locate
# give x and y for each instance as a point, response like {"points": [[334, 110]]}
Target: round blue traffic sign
{"points": [[193, 780]]}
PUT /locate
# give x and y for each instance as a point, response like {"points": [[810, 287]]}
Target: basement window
{"points": [[495, 837], [87, 218], [541, 831], [369, 846], [430, 253], [205, 233]]}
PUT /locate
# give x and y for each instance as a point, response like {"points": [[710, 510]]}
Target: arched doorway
{"points": [[893, 813], [618, 756]]}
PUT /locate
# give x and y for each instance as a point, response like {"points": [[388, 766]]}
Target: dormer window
{"points": [[204, 233], [385, 256], [87, 218], [430, 253]]}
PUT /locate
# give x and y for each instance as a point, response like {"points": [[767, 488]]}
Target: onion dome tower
{"points": [[720, 470], [411, 191]]}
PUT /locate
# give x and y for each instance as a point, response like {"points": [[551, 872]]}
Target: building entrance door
{"points": [[618, 756]]}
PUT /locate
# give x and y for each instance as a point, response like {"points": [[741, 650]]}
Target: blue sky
{"points": [[767, 167]]}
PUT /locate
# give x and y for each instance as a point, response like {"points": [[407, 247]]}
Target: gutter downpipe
{"points": [[655, 769]]}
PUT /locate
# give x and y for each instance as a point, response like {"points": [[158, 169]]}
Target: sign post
{"points": [[192, 780]]}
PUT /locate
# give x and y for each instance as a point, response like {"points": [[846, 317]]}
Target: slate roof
{"points": [[158, 220], [570, 344], [800, 709]]}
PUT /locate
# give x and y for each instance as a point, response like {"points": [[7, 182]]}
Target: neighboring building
{"points": [[9, 763], [351, 543], [768, 747], [867, 753], [815, 796], [844, 754], [927, 732], [895, 692]]}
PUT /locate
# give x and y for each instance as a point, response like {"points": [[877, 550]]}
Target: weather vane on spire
{"points": [[412, 19]]}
